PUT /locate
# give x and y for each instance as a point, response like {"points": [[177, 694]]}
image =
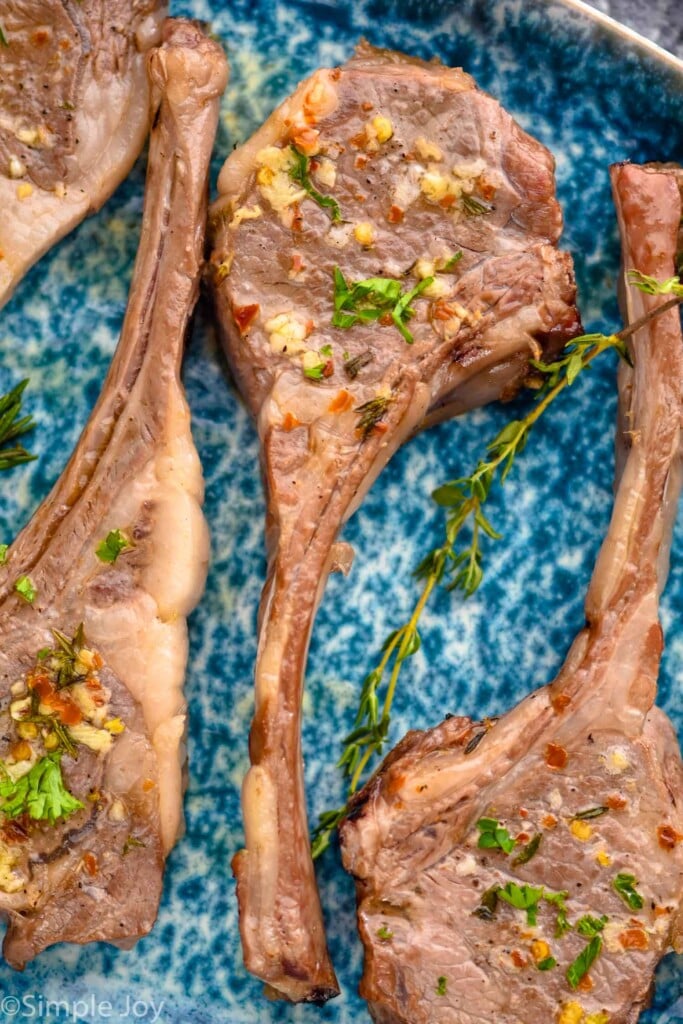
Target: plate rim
{"points": [[628, 34]]}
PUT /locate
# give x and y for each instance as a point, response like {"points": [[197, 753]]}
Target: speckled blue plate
{"points": [[593, 96]]}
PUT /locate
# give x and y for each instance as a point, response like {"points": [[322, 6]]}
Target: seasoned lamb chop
{"points": [[96, 590], [74, 113], [569, 806], [404, 173]]}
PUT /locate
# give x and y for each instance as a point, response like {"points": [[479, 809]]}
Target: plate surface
{"points": [[593, 98]]}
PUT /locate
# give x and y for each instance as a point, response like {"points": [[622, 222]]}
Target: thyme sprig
{"points": [[13, 426], [458, 564], [300, 173]]}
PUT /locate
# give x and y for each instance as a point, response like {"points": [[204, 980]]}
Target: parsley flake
{"points": [[494, 836], [300, 173], [25, 589], [40, 793], [441, 985], [384, 934], [625, 885], [369, 300], [580, 967], [112, 546]]}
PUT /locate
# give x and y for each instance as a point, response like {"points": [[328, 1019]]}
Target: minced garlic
{"points": [[274, 179], [10, 881], [571, 1013], [382, 128], [287, 333], [581, 830], [438, 289], [428, 150], [603, 858], [16, 168], [326, 173], [97, 739], [24, 190], [243, 213], [364, 233]]}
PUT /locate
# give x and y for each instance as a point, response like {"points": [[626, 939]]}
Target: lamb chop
{"points": [[383, 256], [533, 871], [75, 111], [96, 589]]}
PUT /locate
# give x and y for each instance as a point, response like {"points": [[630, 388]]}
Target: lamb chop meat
{"points": [[383, 256], [96, 589], [74, 114], [533, 871]]}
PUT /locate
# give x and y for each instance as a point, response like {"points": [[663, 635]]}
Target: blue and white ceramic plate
{"points": [[593, 95]]}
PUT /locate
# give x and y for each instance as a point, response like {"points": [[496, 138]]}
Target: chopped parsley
{"points": [[384, 934], [580, 967], [591, 926], [111, 547], [625, 885], [40, 793], [547, 963], [326, 351], [25, 589], [493, 836], [369, 300], [314, 372], [300, 173], [523, 897], [441, 985]]}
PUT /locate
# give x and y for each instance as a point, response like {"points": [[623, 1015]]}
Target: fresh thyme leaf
{"points": [[625, 885], [3, 37], [323, 831], [13, 426], [651, 286], [580, 967], [590, 812], [371, 413], [4, 548], [369, 300], [558, 899], [590, 926], [472, 206], [300, 173], [384, 934], [441, 985], [41, 793], [453, 261], [488, 904], [326, 351], [494, 836], [354, 365], [528, 851], [132, 843], [24, 588], [112, 546], [547, 963]]}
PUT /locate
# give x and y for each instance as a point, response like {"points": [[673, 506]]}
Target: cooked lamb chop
{"points": [[75, 110], [402, 176], [97, 588], [569, 806]]}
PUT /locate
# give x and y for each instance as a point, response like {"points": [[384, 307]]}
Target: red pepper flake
{"points": [[549, 821], [442, 311], [615, 802], [58, 702], [367, 105], [359, 141], [15, 831], [523, 837], [97, 660], [341, 402], [561, 702], [328, 368], [634, 938], [90, 863], [446, 202], [385, 320], [523, 813], [245, 316], [92, 683], [360, 162], [297, 263], [298, 218], [290, 422], [40, 37], [556, 756], [395, 215], [662, 911], [380, 428], [586, 984], [517, 959], [148, 784], [486, 190], [668, 837]]}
